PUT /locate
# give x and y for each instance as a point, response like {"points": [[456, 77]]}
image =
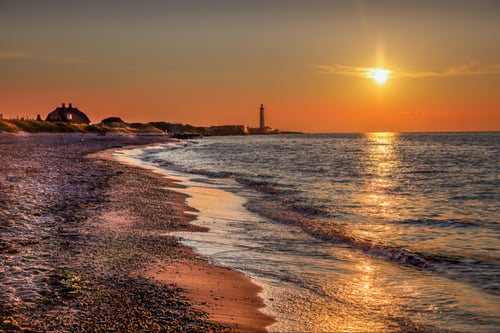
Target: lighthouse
{"points": [[262, 124]]}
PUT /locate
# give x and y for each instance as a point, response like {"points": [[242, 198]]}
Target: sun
{"points": [[380, 75]]}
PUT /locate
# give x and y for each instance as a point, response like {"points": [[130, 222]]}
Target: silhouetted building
{"points": [[68, 114], [262, 123], [262, 129]]}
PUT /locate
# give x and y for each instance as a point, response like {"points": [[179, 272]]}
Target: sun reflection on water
{"points": [[367, 304], [378, 199], [370, 305]]}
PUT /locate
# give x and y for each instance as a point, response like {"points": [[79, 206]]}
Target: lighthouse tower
{"points": [[262, 124]]}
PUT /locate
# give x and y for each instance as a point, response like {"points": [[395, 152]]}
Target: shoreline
{"points": [[229, 297], [82, 237]]}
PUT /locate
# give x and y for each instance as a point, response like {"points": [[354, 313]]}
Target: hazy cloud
{"points": [[13, 55], [467, 69]]}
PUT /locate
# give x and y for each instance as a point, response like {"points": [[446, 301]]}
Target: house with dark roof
{"points": [[68, 115]]}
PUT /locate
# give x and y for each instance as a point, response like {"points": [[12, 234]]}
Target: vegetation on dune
{"points": [[6, 126], [117, 125], [112, 120], [174, 128], [147, 128], [34, 126]]}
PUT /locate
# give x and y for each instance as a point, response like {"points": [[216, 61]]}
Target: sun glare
{"points": [[380, 75]]}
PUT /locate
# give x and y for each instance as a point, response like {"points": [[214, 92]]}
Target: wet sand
{"points": [[226, 296], [83, 246]]}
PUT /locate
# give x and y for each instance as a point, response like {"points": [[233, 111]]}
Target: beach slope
{"points": [[83, 246]]}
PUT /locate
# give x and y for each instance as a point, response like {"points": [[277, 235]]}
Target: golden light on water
{"points": [[381, 164], [367, 304], [380, 75], [382, 137]]}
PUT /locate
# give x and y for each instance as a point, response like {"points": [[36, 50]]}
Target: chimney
{"points": [[63, 106], [70, 105]]}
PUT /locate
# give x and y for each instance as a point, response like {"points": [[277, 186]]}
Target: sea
{"points": [[371, 232]]}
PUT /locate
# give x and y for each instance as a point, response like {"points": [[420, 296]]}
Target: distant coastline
{"points": [[116, 125]]}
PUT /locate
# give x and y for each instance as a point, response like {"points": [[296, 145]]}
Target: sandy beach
{"points": [[83, 245]]}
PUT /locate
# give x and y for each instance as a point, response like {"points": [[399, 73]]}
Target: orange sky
{"points": [[215, 63]]}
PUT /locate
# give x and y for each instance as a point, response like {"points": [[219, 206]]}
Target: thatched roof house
{"points": [[68, 114]]}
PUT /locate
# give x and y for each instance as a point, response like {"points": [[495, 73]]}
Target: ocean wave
{"points": [[482, 272], [261, 182], [324, 197], [263, 186], [450, 223], [305, 207]]}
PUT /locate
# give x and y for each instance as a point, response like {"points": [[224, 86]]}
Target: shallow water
{"points": [[376, 232]]}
